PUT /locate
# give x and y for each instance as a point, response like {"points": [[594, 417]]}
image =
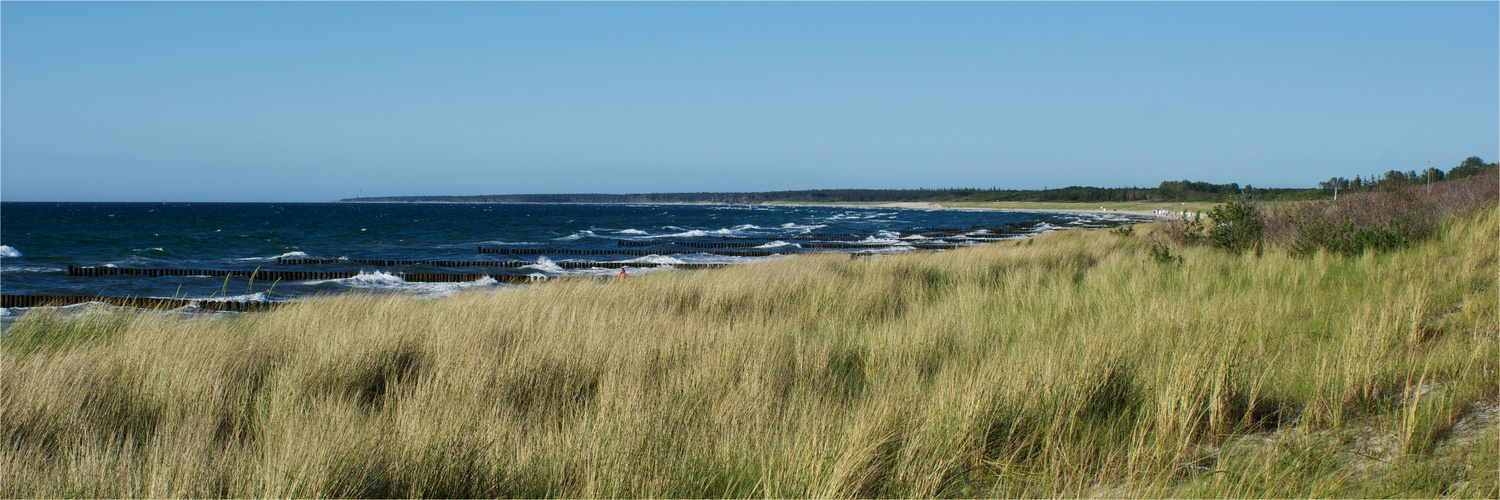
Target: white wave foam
{"points": [[632, 231], [889, 249], [6, 251], [696, 233], [377, 278], [495, 243], [578, 236], [778, 243], [289, 255], [657, 259], [746, 227], [109, 265], [390, 282], [545, 264], [158, 249], [803, 228], [4, 311], [34, 269], [252, 297]]}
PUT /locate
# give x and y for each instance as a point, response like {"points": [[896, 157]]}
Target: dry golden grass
{"points": [[1070, 364]]}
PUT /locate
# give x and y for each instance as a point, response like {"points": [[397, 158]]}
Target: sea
{"points": [[40, 241]]}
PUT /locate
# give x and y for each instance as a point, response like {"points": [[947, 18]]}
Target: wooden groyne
{"points": [[491, 263], [141, 302], [566, 264], [333, 275], [289, 275], [281, 261], [631, 253]]}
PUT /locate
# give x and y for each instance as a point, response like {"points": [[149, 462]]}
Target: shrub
{"points": [[1162, 254], [1185, 231], [1379, 221], [1237, 225]]}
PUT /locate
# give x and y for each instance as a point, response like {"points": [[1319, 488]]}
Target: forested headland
{"points": [[1167, 191]]}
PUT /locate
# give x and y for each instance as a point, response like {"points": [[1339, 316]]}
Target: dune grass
{"points": [[1069, 364]]}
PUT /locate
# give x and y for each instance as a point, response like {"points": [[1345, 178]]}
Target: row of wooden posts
{"points": [[489, 263], [266, 275], [727, 253], [269, 275], [142, 302]]}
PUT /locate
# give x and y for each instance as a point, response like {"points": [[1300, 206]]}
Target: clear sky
{"points": [[320, 101]]}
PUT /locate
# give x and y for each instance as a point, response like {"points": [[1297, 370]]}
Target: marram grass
{"points": [[1071, 364]]}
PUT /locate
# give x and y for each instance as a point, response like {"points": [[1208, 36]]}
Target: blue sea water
{"points": [[38, 241]]}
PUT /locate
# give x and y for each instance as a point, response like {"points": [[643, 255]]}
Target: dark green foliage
{"points": [[1470, 167], [1346, 239], [1238, 226], [1123, 231], [1396, 179], [1162, 254]]}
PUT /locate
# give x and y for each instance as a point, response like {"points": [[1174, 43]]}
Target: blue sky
{"points": [[320, 101]]}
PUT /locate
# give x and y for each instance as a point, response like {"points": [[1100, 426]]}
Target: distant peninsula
{"points": [[1167, 191]]}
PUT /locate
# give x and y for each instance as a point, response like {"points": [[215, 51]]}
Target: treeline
{"points": [[1395, 179], [1168, 191]]}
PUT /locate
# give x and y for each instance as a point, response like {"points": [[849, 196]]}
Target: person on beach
{"points": [[622, 273]]}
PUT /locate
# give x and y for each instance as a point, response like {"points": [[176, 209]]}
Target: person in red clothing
{"points": [[622, 273]]}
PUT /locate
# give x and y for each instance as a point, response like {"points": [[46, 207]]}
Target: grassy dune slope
{"points": [[1071, 364]]}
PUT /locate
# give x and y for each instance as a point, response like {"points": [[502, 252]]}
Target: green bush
{"points": [[1238, 225]]}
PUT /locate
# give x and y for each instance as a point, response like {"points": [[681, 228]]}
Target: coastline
{"points": [[938, 206], [907, 205]]}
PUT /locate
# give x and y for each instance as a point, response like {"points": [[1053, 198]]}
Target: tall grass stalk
{"points": [[1075, 365]]}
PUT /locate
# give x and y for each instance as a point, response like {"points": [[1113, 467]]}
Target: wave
{"points": [[151, 249], [803, 228], [889, 249], [746, 227], [6, 251], [289, 255], [657, 259], [491, 243], [250, 297], [383, 281], [545, 264], [578, 236], [697, 233], [631, 231], [34, 269], [779, 243]]}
